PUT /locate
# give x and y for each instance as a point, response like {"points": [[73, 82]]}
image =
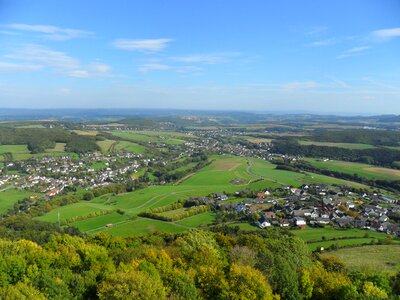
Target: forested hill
{"points": [[40, 139], [361, 136], [224, 264]]}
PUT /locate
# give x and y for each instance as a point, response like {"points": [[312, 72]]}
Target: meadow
{"points": [[9, 196], [354, 146], [382, 258], [172, 138], [363, 170], [328, 236]]}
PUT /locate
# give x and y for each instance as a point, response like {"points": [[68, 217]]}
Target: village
{"points": [[314, 205]]}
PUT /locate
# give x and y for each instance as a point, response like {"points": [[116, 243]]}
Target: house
{"points": [[241, 208], [284, 223], [221, 197], [263, 222], [298, 221]]}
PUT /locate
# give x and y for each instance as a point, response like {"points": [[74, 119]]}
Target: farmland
{"points": [[338, 145], [362, 170], [217, 177]]}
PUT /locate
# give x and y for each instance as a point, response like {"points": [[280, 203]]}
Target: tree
{"points": [[131, 285], [246, 282]]}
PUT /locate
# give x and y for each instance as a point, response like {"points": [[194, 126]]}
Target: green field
{"points": [[10, 196], [143, 226], [371, 258], [73, 210], [338, 145], [106, 145], [129, 147], [198, 220], [343, 237], [363, 170], [172, 138], [215, 178], [14, 149], [59, 147]]}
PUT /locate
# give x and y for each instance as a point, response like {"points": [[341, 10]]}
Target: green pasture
{"points": [[363, 170], [374, 258], [8, 197], [129, 147], [338, 145]]}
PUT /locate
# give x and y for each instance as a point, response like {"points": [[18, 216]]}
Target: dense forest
{"points": [[360, 136], [377, 156], [40, 139], [40, 261]]}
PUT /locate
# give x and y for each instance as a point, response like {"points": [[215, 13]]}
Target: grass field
{"points": [[59, 147], [363, 170], [105, 145], [73, 210], [198, 220], [143, 226], [14, 149], [129, 147], [343, 237], [338, 145], [381, 258], [216, 177], [85, 132], [172, 138], [10, 196]]}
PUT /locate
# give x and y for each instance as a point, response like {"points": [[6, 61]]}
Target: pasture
{"points": [[382, 258], [9, 196], [172, 138], [338, 145], [363, 170], [328, 236]]}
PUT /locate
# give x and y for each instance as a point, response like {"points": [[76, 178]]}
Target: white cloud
{"points": [[386, 34], [152, 45], [354, 51], [60, 62], [18, 67], [326, 42], [51, 32], [208, 58]]}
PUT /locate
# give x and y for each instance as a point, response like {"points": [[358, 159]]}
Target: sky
{"points": [[256, 55]]}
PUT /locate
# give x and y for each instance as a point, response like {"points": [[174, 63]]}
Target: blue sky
{"points": [[317, 56]]}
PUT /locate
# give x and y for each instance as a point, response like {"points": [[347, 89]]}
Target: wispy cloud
{"points": [[386, 34], [353, 52], [60, 62], [208, 58], [317, 30], [18, 67], [50, 32], [149, 67], [325, 42], [152, 45]]}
